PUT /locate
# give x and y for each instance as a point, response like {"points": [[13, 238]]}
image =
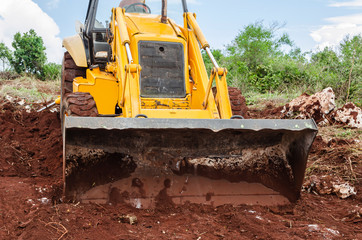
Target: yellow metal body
{"points": [[120, 82], [75, 47]]}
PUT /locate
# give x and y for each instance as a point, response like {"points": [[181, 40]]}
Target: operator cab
{"points": [[135, 6], [97, 23], [163, 63]]}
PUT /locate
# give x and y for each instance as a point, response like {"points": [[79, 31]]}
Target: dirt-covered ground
{"points": [[31, 176]]}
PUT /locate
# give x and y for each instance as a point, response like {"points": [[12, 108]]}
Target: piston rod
{"points": [[212, 58], [129, 54]]}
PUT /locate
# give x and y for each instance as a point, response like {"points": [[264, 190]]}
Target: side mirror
{"points": [[79, 27]]}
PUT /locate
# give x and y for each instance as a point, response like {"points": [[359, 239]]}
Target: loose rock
{"points": [[317, 106], [344, 190], [327, 185], [350, 115], [130, 219]]}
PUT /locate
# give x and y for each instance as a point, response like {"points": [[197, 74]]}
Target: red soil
{"points": [[30, 186], [31, 143]]}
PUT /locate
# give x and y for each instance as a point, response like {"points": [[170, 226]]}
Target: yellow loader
{"points": [[145, 124]]}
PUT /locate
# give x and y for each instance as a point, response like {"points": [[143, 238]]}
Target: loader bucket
{"points": [[160, 162]]}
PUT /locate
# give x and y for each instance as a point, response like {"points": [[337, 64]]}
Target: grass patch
{"points": [[340, 132], [30, 89], [260, 100]]}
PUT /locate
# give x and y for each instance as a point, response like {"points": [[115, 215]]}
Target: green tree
{"points": [[251, 55], [327, 58], [351, 55], [351, 47], [29, 53], [340, 69], [258, 60], [328, 69], [5, 55], [256, 43]]}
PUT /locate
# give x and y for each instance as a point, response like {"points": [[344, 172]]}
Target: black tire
{"points": [[80, 104], [70, 71], [237, 102]]}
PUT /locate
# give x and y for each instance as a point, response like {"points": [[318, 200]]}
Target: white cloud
{"points": [[337, 28], [355, 3], [23, 15], [53, 4]]}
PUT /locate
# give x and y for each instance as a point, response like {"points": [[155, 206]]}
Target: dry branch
{"points": [[62, 229]]}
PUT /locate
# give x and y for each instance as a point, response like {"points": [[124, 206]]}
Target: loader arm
{"points": [[217, 74]]}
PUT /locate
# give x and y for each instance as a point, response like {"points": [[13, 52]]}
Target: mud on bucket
{"points": [[148, 162]]}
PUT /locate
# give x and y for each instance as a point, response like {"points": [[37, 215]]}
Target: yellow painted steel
{"points": [[177, 113], [134, 89], [222, 95], [131, 71], [119, 83], [58, 100], [75, 47], [191, 19], [199, 75], [166, 103], [121, 23], [208, 89], [102, 86], [149, 24]]}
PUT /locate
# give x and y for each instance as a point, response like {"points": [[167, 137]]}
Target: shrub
{"points": [[51, 71]]}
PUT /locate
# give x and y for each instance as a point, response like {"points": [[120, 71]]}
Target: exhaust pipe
{"points": [[164, 12], [184, 4]]}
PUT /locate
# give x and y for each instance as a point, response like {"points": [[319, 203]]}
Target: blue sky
{"points": [[311, 24]]}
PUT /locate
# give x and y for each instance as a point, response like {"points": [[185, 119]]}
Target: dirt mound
{"points": [[336, 156], [238, 102], [31, 143], [269, 112]]}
